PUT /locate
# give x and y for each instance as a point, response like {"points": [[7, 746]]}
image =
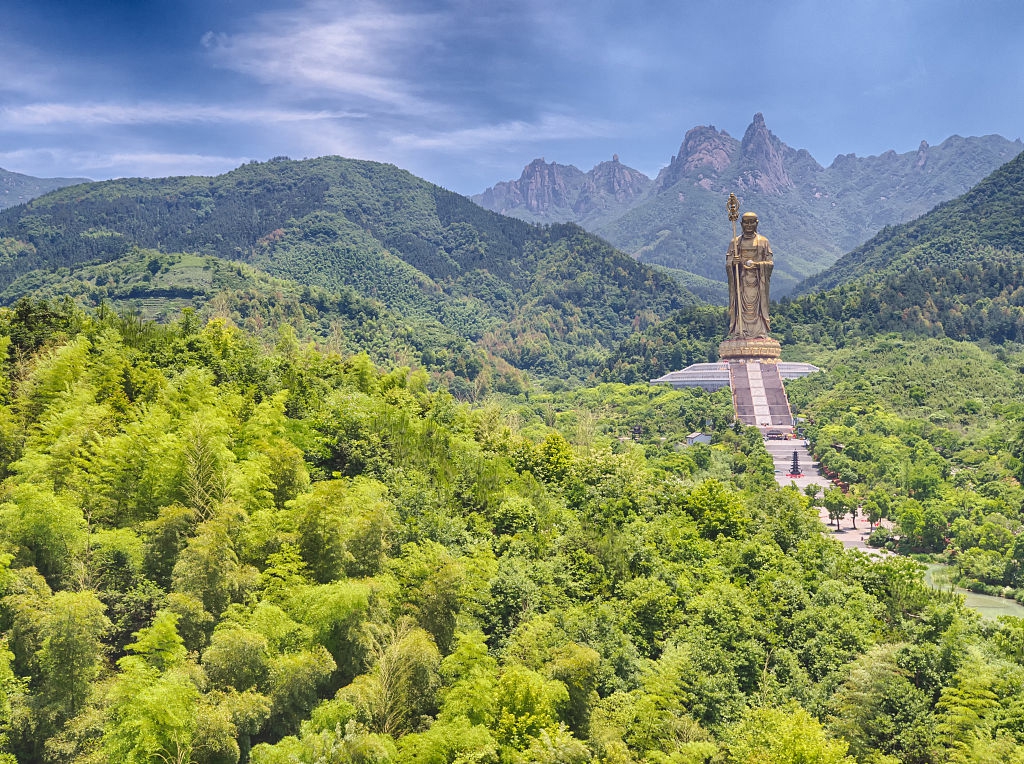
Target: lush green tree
{"points": [[153, 717], [70, 652], [11, 692], [525, 705], [783, 736], [293, 685], [237, 658], [716, 510], [46, 531], [879, 709], [208, 568], [344, 528], [837, 625], [154, 705], [399, 690], [333, 615], [434, 584], [836, 503], [968, 708], [469, 674], [653, 610], [450, 741], [164, 537]]}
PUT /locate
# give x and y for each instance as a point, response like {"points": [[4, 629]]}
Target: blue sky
{"points": [[465, 93]]}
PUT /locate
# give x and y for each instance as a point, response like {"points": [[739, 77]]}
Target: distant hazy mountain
{"points": [[16, 188], [984, 225], [549, 300], [554, 192], [812, 214]]}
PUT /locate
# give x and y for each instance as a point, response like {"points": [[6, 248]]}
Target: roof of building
{"points": [[715, 376]]}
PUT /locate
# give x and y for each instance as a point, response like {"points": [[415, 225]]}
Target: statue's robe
{"points": [[748, 286]]}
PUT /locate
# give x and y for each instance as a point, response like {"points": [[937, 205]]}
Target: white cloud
{"points": [[92, 114], [319, 48], [550, 127], [46, 162]]}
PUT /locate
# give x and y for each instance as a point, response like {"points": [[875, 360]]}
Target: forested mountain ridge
{"points": [[16, 188], [155, 286], [812, 214], [544, 299]]}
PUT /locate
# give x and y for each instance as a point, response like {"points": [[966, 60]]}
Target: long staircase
{"points": [[758, 397]]}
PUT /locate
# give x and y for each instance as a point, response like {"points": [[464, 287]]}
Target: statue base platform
{"points": [[762, 349]]}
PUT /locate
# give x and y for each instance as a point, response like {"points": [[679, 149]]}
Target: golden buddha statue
{"points": [[748, 264]]}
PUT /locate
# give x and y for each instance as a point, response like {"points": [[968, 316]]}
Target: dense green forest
{"points": [[979, 300], [550, 300], [157, 286], [219, 551], [927, 434], [691, 335]]}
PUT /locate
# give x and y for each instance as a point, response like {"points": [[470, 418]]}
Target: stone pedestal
{"points": [[763, 349]]}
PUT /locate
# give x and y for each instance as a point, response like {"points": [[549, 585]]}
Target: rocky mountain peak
{"points": [[615, 177], [819, 212], [550, 191], [764, 159], [705, 152], [705, 148], [922, 153], [610, 181], [542, 187]]}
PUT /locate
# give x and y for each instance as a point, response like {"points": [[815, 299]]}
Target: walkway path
{"points": [[782, 454]]}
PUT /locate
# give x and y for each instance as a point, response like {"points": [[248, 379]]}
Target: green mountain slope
{"points": [[151, 286], [547, 299]]}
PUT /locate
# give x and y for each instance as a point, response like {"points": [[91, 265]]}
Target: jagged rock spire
{"points": [[764, 159]]}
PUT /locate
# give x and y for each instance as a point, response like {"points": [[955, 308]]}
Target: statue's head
{"points": [[749, 222]]}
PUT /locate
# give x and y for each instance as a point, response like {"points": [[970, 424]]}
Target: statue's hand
{"points": [[748, 264]]}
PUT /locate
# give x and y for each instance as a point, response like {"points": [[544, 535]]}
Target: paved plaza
{"points": [[782, 454]]}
